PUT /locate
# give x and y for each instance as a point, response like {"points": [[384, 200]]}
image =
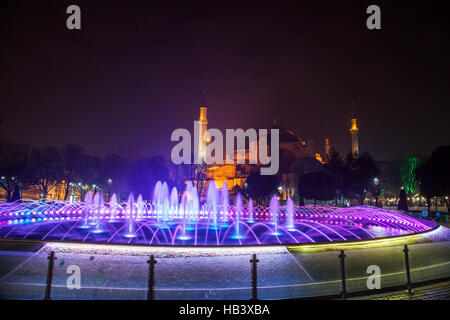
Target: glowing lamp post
{"points": [[376, 181]]}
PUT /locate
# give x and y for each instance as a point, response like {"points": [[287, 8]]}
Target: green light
{"points": [[408, 174]]}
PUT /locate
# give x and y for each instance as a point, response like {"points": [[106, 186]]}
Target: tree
{"points": [[47, 169], [236, 189], [144, 175], [361, 170], [390, 178], [334, 165], [15, 168], [260, 187], [287, 160], [408, 174], [178, 174], [183, 172], [434, 176], [200, 176], [114, 174], [89, 175], [317, 186], [73, 162]]}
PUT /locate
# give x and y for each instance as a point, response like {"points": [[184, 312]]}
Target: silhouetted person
{"points": [[402, 203]]}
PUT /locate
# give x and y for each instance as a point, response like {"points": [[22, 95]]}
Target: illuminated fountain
{"points": [[274, 212], [225, 203], [173, 218], [211, 202], [238, 213]]}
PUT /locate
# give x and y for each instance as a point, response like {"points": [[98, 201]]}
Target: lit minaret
{"points": [[327, 147], [203, 127], [354, 134]]}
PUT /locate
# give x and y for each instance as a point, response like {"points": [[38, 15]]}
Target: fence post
{"points": [[343, 292], [151, 278], [48, 289], [408, 275], [254, 262]]}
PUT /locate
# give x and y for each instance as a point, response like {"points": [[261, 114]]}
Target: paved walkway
{"points": [[438, 291]]}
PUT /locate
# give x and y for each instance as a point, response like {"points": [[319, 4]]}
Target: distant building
{"points": [[292, 151], [297, 156]]}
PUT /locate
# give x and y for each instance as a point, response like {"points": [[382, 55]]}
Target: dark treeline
{"points": [[355, 177], [23, 166]]}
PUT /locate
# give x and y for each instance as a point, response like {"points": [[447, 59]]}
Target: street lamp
{"points": [[375, 182]]}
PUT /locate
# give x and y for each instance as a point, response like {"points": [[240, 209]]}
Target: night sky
{"points": [[136, 70]]}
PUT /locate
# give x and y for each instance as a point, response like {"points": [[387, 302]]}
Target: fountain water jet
{"points": [[238, 206], [225, 204], [98, 205], [188, 210], [192, 205], [274, 205], [139, 207], [182, 214], [87, 201], [130, 209], [173, 204], [290, 214], [113, 206], [157, 199], [250, 210]]}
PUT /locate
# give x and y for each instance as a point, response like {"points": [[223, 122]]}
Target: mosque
{"points": [[296, 155]]}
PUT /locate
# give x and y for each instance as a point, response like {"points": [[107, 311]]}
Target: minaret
{"points": [[354, 134], [203, 126], [327, 147]]}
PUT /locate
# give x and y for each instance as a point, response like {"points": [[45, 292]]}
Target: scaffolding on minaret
{"points": [[203, 127], [354, 133], [327, 147]]}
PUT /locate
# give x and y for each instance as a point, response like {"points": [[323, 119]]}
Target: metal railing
{"points": [[253, 277]]}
